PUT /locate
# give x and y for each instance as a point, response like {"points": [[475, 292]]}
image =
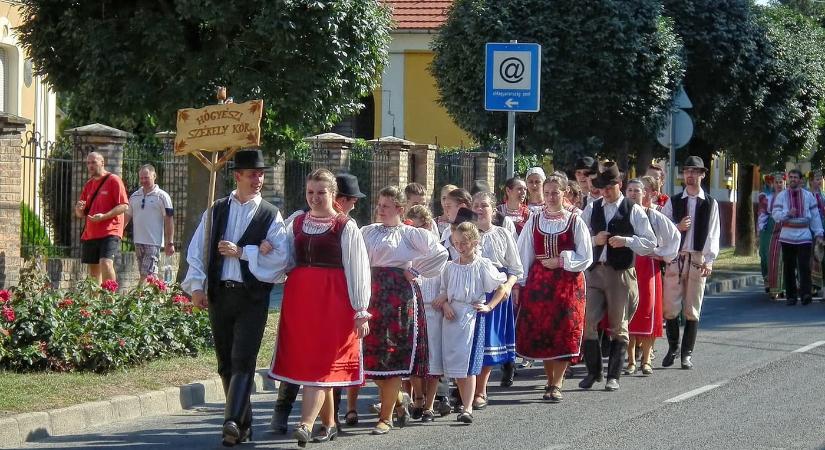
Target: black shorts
{"points": [[93, 250]]}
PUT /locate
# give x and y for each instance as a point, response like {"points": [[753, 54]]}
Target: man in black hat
{"points": [[348, 192], [583, 170], [620, 230], [233, 278], [696, 215]]}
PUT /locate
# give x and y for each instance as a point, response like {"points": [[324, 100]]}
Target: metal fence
{"points": [[368, 162]]}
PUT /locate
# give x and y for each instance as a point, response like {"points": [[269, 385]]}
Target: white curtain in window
{"points": [[4, 79]]}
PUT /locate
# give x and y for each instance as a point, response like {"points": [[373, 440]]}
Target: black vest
{"points": [[253, 235], [701, 221], [617, 258]]}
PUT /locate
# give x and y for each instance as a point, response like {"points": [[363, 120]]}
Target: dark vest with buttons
{"points": [[701, 221], [253, 235], [617, 258], [319, 250]]}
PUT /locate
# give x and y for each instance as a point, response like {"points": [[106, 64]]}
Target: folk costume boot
{"points": [[688, 341], [246, 422], [672, 330], [618, 350], [235, 411], [593, 361], [287, 393], [508, 371]]}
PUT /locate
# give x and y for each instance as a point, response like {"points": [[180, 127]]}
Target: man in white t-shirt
{"points": [[150, 209]]}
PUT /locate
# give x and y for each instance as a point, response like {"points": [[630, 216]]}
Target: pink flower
{"points": [[8, 314], [65, 303], [85, 313], [4, 296], [121, 343], [109, 285], [180, 299], [156, 282]]}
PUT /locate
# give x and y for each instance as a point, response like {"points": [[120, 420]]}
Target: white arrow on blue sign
{"points": [[512, 78]]}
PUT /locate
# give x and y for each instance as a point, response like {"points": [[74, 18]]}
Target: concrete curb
{"points": [[722, 286], [26, 427]]}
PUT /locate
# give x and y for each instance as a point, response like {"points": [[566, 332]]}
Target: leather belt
{"points": [[231, 284]]}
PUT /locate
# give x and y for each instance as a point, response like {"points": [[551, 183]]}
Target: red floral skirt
{"points": [[317, 344], [397, 343], [647, 321], [550, 318]]}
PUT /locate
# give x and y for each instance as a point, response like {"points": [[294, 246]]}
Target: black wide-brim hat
{"points": [[585, 163], [609, 175], [249, 159], [348, 185], [694, 162], [464, 215]]}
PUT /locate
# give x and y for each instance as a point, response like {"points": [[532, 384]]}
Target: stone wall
{"points": [[11, 194]]}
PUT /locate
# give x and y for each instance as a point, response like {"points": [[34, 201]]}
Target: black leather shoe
{"points": [[618, 350], [593, 360], [326, 434], [672, 330], [428, 416], [231, 434], [508, 370], [807, 299], [465, 417], [790, 301], [688, 341]]}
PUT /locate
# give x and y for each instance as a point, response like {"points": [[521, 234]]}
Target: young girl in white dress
{"points": [[465, 282]]}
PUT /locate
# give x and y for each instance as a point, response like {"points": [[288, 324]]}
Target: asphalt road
{"points": [[758, 383]]}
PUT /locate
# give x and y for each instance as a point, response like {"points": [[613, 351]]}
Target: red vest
{"points": [[319, 250]]}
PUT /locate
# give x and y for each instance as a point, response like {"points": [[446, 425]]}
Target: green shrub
{"points": [[32, 233], [95, 328]]}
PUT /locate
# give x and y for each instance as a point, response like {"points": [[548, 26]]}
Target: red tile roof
{"points": [[418, 14]]}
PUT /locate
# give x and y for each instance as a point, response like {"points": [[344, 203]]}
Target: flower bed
{"points": [[95, 328]]}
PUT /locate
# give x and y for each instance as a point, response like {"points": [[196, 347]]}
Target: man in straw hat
{"points": [[696, 216], [234, 281], [619, 229]]}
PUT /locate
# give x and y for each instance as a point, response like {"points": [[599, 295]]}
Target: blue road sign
{"points": [[512, 77]]}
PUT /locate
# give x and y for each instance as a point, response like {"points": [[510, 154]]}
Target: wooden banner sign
{"points": [[219, 127]]}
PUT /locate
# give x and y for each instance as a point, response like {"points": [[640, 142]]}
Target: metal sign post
{"points": [[676, 133], [512, 83]]}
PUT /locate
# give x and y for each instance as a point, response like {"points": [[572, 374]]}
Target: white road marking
{"points": [[809, 347], [693, 393]]}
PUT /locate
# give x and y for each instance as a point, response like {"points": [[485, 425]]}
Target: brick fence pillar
{"points": [[423, 158], [485, 168], [330, 151], [11, 194], [99, 138], [395, 168]]}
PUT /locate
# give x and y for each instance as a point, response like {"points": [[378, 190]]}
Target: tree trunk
{"points": [[644, 156], [197, 199], [745, 233]]}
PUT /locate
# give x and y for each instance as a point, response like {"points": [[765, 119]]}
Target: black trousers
{"points": [[797, 257], [238, 319]]}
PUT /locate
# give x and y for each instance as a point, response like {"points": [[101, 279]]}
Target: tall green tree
{"points": [[310, 60], [608, 69]]}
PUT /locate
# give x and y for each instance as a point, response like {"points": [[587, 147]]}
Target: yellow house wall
{"points": [[425, 121]]}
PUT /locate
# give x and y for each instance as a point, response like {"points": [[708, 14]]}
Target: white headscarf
{"points": [[536, 171]]}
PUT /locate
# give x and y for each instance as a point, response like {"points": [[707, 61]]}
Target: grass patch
{"points": [[40, 391], [728, 262]]}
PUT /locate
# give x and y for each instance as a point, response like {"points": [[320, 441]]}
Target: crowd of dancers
{"points": [[559, 271]]}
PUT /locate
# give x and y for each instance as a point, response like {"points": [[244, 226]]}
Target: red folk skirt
{"points": [[647, 321], [550, 318], [317, 344], [397, 343]]}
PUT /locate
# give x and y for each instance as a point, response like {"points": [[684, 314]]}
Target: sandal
{"points": [[417, 409], [428, 416], [480, 401], [382, 427], [302, 434], [465, 417], [647, 369], [351, 418], [630, 369], [402, 411]]}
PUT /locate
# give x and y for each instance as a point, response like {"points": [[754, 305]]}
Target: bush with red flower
{"points": [[94, 327]]}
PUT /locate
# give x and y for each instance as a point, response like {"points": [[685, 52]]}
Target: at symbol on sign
{"points": [[511, 70]]}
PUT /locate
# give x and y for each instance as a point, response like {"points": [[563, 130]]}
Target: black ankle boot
{"points": [[688, 341], [235, 411], [593, 360], [672, 330], [618, 350], [508, 371], [287, 393]]}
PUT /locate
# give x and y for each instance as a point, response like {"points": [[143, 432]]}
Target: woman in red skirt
{"points": [[397, 346], [324, 313], [555, 248], [646, 324]]}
